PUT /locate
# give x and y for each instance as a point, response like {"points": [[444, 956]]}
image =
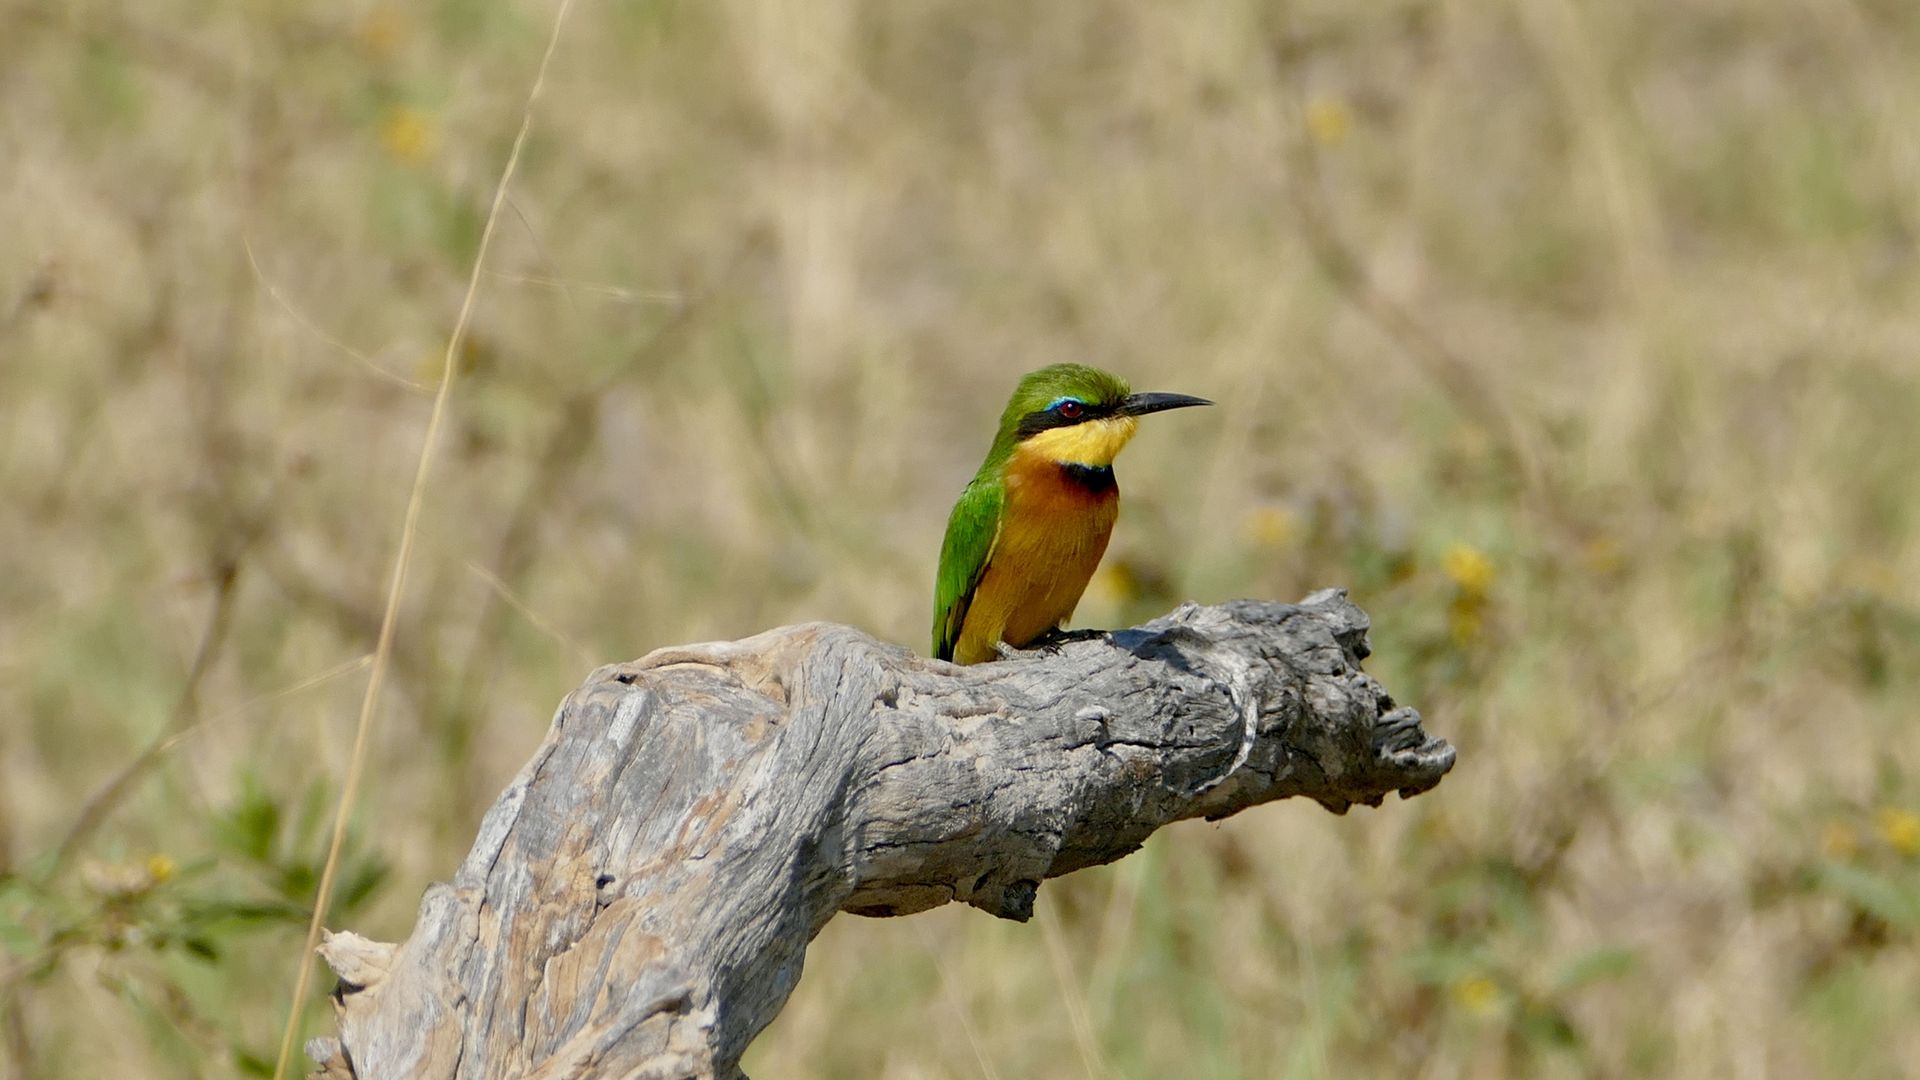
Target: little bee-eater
{"points": [[1030, 528]]}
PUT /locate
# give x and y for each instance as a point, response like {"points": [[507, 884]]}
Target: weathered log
{"points": [[640, 898]]}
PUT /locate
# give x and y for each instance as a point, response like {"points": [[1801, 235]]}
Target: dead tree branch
{"points": [[639, 900]]}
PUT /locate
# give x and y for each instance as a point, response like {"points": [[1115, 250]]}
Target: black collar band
{"points": [[1095, 478]]}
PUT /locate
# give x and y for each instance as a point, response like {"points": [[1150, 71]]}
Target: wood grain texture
{"points": [[639, 900]]}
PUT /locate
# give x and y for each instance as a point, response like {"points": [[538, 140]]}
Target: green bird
{"points": [[1030, 528]]}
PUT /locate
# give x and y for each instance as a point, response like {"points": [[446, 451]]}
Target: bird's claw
{"points": [[1048, 643], [1054, 640]]}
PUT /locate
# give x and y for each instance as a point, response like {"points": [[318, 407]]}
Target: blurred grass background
{"points": [[1580, 339]]}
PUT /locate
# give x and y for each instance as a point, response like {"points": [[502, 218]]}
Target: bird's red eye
{"points": [[1070, 410]]}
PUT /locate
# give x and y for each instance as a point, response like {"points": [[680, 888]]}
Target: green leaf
{"points": [[204, 911], [363, 879], [298, 882], [1548, 1024], [1596, 965], [250, 826], [1446, 963], [1873, 893]]}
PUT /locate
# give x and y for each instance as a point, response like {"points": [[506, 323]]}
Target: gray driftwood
{"points": [[639, 900]]}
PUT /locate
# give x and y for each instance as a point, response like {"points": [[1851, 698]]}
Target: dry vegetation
{"points": [[1580, 339]]}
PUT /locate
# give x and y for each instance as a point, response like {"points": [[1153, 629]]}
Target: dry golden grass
{"points": [[1577, 338]]}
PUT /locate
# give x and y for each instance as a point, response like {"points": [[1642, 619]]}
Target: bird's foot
{"points": [[1053, 639], [1048, 643]]}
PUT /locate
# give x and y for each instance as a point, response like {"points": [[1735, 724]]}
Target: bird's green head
{"points": [[1075, 414]]}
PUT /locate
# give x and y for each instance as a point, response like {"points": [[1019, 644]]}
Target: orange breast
{"points": [[1053, 530]]}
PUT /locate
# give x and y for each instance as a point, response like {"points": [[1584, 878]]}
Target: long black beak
{"points": [[1142, 404]]}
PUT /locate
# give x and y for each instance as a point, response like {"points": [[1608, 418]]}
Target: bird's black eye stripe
{"points": [[1056, 416]]}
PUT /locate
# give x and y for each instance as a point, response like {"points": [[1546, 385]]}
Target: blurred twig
{"points": [[1071, 994], [1457, 379], [383, 648], [526, 611], [1116, 929], [620, 293], [311, 327], [572, 435], [153, 42], [757, 400], [956, 1001], [181, 717], [1567, 38], [16, 1049], [19, 1049], [1463, 384], [6, 827], [576, 424]]}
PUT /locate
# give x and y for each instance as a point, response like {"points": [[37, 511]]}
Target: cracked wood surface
{"points": [[640, 898]]}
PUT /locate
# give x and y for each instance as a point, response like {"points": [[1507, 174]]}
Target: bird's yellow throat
{"points": [[1095, 443]]}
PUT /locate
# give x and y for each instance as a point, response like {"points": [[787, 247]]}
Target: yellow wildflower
{"points": [[1477, 994], [160, 868], [1329, 120], [1271, 526], [407, 133], [1900, 828], [1469, 568]]}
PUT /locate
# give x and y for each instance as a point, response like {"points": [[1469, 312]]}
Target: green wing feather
{"points": [[971, 532]]}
